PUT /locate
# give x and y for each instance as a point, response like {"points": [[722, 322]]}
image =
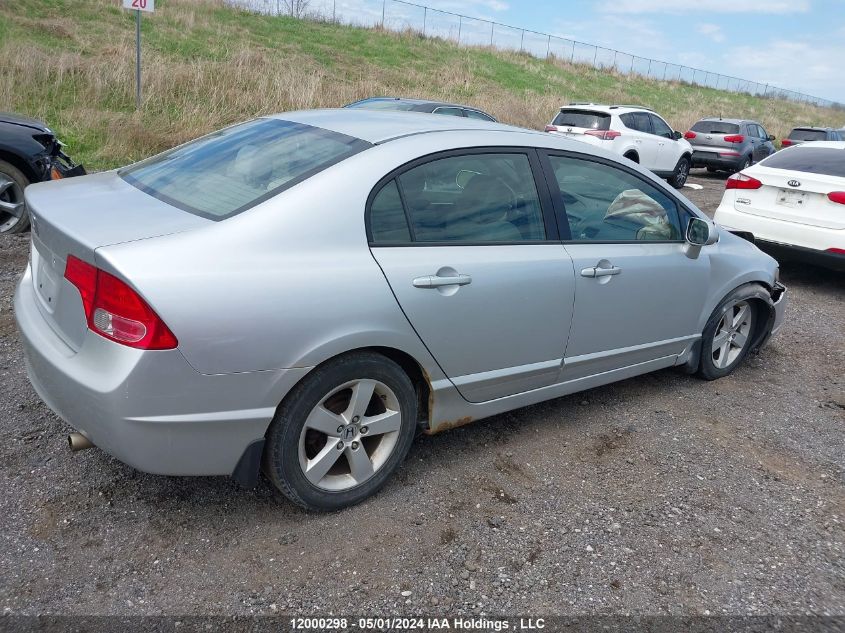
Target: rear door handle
{"points": [[600, 272], [435, 281]]}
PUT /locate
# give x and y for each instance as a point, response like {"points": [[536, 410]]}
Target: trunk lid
{"points": [[804, 203], [76, 217]]}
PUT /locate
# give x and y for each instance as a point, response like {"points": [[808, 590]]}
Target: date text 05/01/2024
{"points": [[417, 624]]}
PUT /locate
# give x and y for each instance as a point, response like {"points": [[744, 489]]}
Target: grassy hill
{"points": [[71, 62]]}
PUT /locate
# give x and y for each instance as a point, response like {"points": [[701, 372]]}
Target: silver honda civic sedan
{"points": [[299, 294]]}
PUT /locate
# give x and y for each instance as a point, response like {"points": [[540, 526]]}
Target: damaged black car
{"points": [[29, 152]]}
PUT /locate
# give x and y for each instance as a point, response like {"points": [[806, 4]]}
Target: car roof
{"points": [[812, 127], [608, 108], [735, 121], [822, 144], [380, 126], [411, 101]]}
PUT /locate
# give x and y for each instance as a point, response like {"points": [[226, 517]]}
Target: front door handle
{"points": [[595, 271], [436, 281]]}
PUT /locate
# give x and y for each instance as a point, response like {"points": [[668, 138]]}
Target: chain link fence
{"points": [[401, 15]]}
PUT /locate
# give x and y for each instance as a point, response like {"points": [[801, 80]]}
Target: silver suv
{"points": [[728, 144]]}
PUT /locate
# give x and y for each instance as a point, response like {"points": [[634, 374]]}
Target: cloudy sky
{"points": [[793, 44]]}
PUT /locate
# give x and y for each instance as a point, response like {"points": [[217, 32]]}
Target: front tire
{"points": [[681, 173], [727, 337], [14, 217], [342, 432]]}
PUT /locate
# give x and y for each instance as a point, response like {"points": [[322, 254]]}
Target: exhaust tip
{"points": [[78, 442]]}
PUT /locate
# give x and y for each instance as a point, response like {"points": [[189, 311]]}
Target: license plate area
{"points": [[791, 199]]}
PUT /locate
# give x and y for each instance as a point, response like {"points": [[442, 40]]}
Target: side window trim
{"points": [[401, 191], [684, 213], [544, 194]]}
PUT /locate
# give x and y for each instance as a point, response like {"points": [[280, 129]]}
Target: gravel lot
{"points": [[662, 494]]}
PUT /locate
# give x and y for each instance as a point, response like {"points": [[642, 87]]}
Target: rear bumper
{"points": [[785, 240], [712, 159], [788, 252], [149, 409]]}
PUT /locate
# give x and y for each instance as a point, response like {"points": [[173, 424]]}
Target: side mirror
{"points": [[772, 137], [677, 135], [700, 233]]}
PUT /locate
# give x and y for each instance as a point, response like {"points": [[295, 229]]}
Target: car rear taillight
{"points": [[742, 181], [837, 196], [689, 134], [836, 251], [785, 142], [115, 311], [605, 135], [551, 128], [734, 138]]}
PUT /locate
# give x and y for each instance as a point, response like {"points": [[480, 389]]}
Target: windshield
{"points": [[715, 127], [828, 161], [229, 171]]}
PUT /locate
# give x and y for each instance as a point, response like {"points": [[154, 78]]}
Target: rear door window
{"points": [[388, 223], [229, 171], [826, 161], [583, 119], [636, 121], [715, 127], [468, 199]]}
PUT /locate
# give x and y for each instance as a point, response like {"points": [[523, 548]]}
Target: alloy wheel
{"points": [[349, 435], [11, 203], [732, 334]]}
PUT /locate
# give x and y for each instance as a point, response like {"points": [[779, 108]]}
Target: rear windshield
{"points": [[583, 118], [799, 134], [715, 127], [229, 171], [382, 104], [827, 161]]}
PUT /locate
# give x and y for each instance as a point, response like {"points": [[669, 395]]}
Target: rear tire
{"points": [[14, 217], [681, 173], [746, 163], [341, 432], [727, 336]]}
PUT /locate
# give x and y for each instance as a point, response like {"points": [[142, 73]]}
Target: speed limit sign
{"points": [[139, 5]]}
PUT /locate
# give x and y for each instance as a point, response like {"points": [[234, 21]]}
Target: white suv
{"points": [[634, 132]]}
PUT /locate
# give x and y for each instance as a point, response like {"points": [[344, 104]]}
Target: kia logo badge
{"points": [[794, 183]]}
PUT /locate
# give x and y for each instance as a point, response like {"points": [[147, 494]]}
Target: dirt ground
{"points": [[662, 494]]}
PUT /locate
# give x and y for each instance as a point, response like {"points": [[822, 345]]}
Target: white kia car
{"points": [[792, 203], [634, 132]]}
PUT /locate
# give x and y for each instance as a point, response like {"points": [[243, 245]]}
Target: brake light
{"points": [[734, 138], [836, 251], [837, 196], [115, 311], [742, 181], [551, 128], [785, 142], [605, 135], [689, 134]]}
